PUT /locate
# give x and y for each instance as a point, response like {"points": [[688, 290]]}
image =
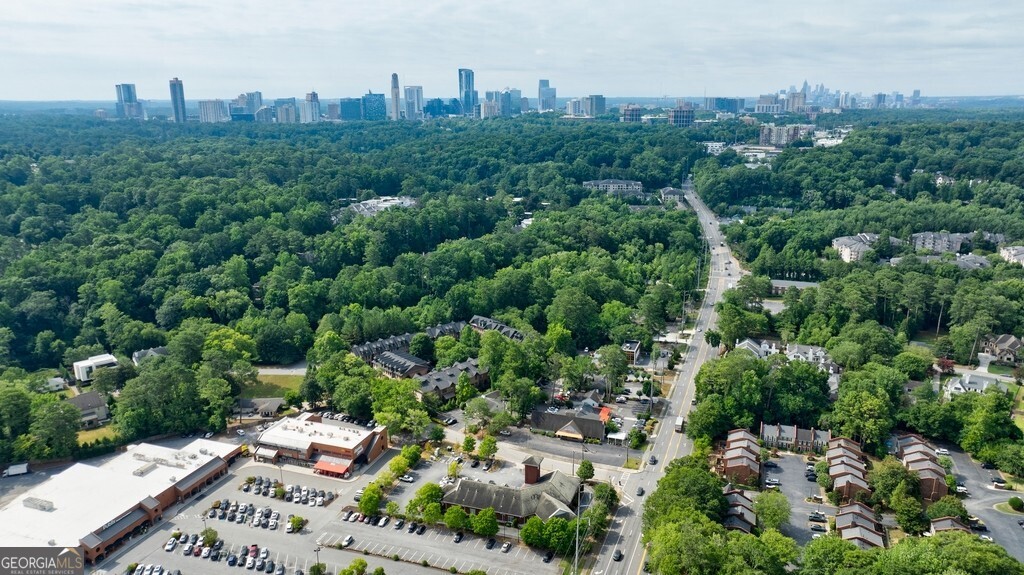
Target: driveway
{"points": [[796, 488]]}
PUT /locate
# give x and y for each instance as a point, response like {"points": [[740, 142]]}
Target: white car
{"points": [[942, 451], [273, 525], [348, 541], [240, 432], [208, 435], [772, 481], [984, 538], [552, 409], [319, 501], [171, 544], [406, 479]]}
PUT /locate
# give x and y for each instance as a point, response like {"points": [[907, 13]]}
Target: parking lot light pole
{"points": [[317, 551]]}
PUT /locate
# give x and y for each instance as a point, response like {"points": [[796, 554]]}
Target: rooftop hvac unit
{"points": [[40, 504], [144, 469]]}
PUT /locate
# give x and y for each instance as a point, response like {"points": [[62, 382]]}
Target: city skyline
{"points": [[62, 49]]}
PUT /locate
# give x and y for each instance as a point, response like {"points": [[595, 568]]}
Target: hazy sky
{"points": [[78, 49]]}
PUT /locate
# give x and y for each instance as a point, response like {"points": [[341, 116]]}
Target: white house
{"points": [[970, 382], [84, 369]]}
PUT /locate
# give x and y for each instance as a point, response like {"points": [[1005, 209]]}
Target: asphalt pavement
{"points": [[666, 444]]}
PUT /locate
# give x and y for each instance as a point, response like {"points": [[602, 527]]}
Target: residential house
{"points": [[973, 383], [856, 522], [55, 384], [1006, 348], [846, 467], [84, 370], [553, 494], [760, 348], [481, 324], [399, 364], [570, 424], [1012, 254], [793, 438], [740, 460], [962, 261], [918, 456], [93, 407], [144, 354], [371, 349], [779, 287], [947, 524], [441, 383], [740, 513], [452, 328]]}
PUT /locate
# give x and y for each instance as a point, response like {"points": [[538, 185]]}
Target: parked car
{"points": [[406, 478], [240, 432], [399, 524], [421, 530], [458, 537], [506, 547], [505, 433], [548, 556], [942, 451], [232, 560], [770, 464], [412, 527], [187, 549], [772, 481], [348, 541], [383, 521], [817, 527]]}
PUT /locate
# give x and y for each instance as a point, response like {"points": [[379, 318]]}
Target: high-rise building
{"points": [[333, 111], [264, 115], [350, 109], [286, 111], [309, 112], [213, 111], [128, 105], [593, 105], [796, 102], [768, 104], [631, 113], [467, 91], [681, 116], [374, 108], [396, 106], [733, 105], [915, 98], [414, 102], [545, 96], [515, 101], [524, 104], [178, 101], [574, 107], [880, 100], [253, 101]]}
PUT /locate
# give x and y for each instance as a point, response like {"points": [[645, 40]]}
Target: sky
{"points": [[79, 49]]}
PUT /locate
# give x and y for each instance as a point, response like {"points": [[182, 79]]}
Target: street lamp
{"points": [[317, 551]]}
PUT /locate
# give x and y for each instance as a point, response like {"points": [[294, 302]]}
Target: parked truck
{"points": [[17, 469], [680, 422]]}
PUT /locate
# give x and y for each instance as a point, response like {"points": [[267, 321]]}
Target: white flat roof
{"points": [[103, 359], [298, 433], [83, 498]]}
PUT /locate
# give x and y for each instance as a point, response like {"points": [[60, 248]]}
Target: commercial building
{"points": [[350, 109], [546, 96], [593, 105], [553, 494], [178, 101], [98, 508], [374, 108], [681, 117], [467, 91], [631, 113], [779, 136], [731, 105], [631, 349], [396, 105], [578, 424], [213, 111], [128, 105], [414, 102], [308, 438], [309, 109], [286, 111], [374, 206], [84, 370]]}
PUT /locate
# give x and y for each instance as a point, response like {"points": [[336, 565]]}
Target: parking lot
{"points": [[794, 485], [291, 549], [436, 546]]}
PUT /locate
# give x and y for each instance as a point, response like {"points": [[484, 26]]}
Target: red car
{"points": [[198, 550]]}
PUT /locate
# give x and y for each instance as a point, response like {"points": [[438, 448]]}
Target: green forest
{"points": [[232, 246]]}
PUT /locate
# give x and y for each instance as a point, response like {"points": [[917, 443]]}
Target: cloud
{"points": [[63, 49]]}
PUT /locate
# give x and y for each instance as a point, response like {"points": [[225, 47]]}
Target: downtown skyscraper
{"points": [[178, 101], [128, 105], [414, 102], [467, 92], [546, 96], [396, 110]]}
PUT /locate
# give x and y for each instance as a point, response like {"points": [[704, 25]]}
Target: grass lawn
{"points": [[1005, 508], [272, 386], [632, 463], [1000, 369], [91, 435]]}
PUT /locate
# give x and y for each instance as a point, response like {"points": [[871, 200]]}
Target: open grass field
{"points": [[1000, 369], [272, 386], [91, 435]]}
